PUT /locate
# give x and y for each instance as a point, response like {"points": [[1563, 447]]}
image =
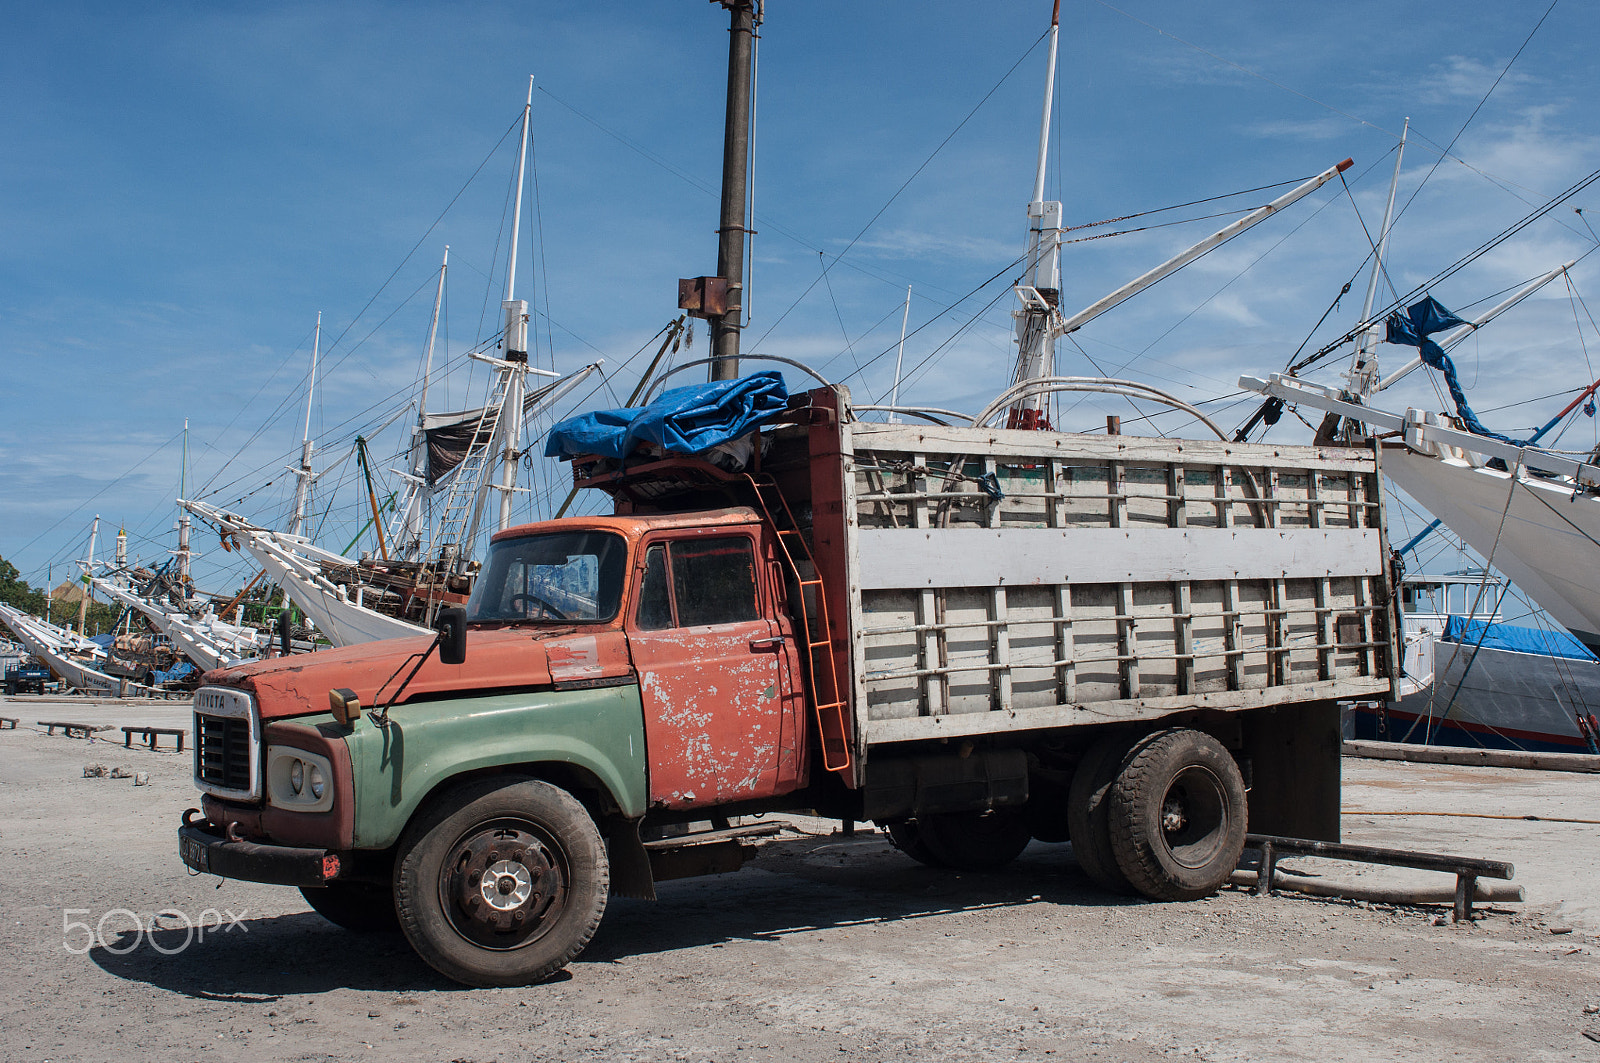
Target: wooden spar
{"points": [[372, 496], [1222, 236], [237, 598]]}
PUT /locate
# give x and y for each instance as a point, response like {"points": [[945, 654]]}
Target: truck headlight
{"points": [[298, 780]]}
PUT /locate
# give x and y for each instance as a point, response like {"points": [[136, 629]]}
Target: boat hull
{"points": [[1491, 699], [1538, 540]]}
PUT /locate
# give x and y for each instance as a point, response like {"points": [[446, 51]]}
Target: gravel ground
{"points": [[824, 948]]}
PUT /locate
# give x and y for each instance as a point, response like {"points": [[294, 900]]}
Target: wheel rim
{"points": [[1193, 817], [504, 884]]}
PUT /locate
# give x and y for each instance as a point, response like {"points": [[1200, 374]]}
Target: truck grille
{"points": [[227, 743], [222, 752]]}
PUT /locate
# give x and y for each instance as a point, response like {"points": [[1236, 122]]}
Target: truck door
{"points": [[717, 674]]}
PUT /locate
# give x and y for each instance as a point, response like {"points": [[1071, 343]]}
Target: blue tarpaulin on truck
{"points": [[686, 420]]}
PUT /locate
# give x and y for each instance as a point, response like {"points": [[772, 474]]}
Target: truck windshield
{"points": [[564, 577]]}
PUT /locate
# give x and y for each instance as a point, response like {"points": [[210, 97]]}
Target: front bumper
{"points": [[205, 850]]}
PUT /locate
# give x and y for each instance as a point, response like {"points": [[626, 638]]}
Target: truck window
{"points": [[713, 581], [561, 577], [655, 603]]}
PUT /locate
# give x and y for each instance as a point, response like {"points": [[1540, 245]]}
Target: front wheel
{"points": [[1177, 816], [502, 883]]}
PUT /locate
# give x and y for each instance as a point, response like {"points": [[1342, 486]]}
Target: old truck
{"points": [[973, 637]]}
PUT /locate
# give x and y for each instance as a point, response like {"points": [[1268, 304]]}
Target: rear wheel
{"points": [[1178, 816], [905, 835], [502, 883], [356, 906], [976, 841], [963, 841], [1088, 824]]}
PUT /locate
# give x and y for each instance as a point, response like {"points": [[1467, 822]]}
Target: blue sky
{"points": [[185, 186]]}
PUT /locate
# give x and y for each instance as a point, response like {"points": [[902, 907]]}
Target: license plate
{"points": [[193, 854]]}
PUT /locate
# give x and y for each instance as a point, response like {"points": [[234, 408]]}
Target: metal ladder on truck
{"points": [[829, 701]]}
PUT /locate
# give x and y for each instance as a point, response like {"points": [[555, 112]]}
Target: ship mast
{"points": [[515, 345], [413, 521], [1039, 290], [1364, 367], [183, 553], [83, 602], [303, 477]]}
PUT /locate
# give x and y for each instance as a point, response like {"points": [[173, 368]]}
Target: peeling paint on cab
{"points": [[714, 715]]}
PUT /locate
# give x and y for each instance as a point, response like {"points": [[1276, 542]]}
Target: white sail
{"points": [[295, 563]]}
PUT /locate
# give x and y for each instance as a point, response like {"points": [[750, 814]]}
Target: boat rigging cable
{"points": [[1504, 71], [905, 184], [335, 362], [1472, 610], [1451, 270], [938, 352]]}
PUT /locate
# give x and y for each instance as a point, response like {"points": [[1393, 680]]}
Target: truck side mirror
{"points": [[452, 628]]}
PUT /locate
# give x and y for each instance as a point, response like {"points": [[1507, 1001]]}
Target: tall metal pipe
{"points": [[735, 167]]}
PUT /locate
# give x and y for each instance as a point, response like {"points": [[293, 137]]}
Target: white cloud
{"points": [[1291, 129], [1460, 76]]}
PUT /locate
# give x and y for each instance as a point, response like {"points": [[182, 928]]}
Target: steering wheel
{"points": [[545, 608]]}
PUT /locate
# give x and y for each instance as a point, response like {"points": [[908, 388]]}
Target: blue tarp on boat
{"points": [[1519, 639], [687, 420], [177, 671]]}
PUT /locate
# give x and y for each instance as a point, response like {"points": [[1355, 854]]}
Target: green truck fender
{"points": [[427, 744]]}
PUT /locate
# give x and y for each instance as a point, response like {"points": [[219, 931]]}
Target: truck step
{"points": [[705, 837], [712, 852]]}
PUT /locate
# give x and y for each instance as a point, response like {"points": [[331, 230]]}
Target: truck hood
{"points": [[499, 659]]}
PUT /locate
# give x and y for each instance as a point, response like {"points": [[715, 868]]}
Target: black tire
{"points": [[360, 907], [550, 881], [1046, 810], [976, 841], [1178, 816], [963, 841], [905, 835], [1088, 822]]}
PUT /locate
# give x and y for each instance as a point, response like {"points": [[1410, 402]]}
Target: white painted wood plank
{"points": [[1015, 443], [1121, 711], [989, 557]]}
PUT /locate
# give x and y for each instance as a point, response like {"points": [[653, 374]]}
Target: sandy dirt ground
{"points": [[824, 948]]}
